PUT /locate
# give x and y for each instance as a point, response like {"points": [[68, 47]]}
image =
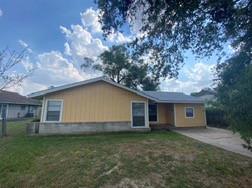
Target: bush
{"points": [[36, 120], [216, 118]]}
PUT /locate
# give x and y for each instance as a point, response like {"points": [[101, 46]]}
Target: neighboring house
{"points": [[100, 105], [18, 106]]}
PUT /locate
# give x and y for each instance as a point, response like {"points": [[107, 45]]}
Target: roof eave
{"points": [[39, 95], [180, 101]]}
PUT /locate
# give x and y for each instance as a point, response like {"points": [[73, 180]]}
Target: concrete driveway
{"points": [[224, 139]]}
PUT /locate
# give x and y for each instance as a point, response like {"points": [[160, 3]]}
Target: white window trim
{"points": [[193, 112], [157, 114], [45, 110], [146, 114]]}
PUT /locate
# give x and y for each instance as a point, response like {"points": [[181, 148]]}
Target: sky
{"points": [[59, 33]]}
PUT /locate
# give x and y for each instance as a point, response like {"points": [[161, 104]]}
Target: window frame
{"points": [[46, 107], [23, 107], [146, 115], [192, 110], [149, 114]]}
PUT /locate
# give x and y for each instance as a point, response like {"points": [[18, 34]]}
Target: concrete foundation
{"points": [[80, 128]]}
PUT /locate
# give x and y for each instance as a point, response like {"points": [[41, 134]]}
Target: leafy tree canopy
{"points": [[117, 65], [169, 27], [235, 94]]}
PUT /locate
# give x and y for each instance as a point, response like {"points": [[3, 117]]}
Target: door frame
{"points": [[146, 116]]}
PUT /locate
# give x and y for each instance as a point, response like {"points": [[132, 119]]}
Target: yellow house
{"points": [[100, 105]]}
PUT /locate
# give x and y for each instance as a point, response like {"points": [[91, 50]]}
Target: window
{"points": [[138, 114], [189, 112], [22, 107], [153, 112], [53, 110]]}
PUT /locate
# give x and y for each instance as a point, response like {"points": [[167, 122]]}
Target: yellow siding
{"points": [[198, 120], [97, 102], [165, 113]]}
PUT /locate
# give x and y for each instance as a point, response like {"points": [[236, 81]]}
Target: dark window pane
{"points": [[152, 112], [189, 112], [138, 121], [53, 116], [138, 113], [53, 111]]}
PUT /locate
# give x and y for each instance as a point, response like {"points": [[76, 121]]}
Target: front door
{"points": [[138, 114]]}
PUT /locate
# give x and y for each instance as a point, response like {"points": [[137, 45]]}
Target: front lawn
{"points": [[157, 159]]}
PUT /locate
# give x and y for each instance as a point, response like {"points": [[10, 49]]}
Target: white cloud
{"points": [[90, 19], [27, 64], [55, 69], [199, 76], [1, 12], [67, 50], [80, 43], [27, 87], [51, 69], [119, 38], [25, 45]]}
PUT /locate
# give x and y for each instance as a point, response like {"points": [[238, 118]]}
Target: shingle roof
{"points": [[173, 97], [42, 93], [166, 97], [8, 97]]}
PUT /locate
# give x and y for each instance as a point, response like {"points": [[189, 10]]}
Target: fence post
{"points": [[4, 121]]}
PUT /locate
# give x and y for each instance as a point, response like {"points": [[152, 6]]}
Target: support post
{"points": [[4, 124]]}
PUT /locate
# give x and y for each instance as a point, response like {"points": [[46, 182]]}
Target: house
{"points": [[101, 105], [18, 106]]}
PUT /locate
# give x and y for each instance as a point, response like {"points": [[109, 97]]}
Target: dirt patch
{"points": [[155, 149], [152, 180]]}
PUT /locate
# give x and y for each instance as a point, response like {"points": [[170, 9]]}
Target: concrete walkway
{"points": [[224, 139]]}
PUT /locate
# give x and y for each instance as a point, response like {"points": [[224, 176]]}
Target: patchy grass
{"points": [[157, 159]]}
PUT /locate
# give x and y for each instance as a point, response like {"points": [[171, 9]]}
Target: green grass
{"points": [[157, 159]]}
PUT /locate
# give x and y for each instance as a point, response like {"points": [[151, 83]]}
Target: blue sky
{"points": [[60, 33], [37, 21]]}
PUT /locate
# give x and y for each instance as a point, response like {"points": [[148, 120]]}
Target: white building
{"points": [[18, 106]]}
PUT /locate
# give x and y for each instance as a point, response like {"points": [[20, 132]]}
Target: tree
{"points": [[8, 61], [8, 76], [117, 65], [169, 27], [235, 94]]}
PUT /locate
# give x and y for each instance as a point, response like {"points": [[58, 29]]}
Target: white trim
{"points": [[174, 114], [205, 114], [7, 110], [42, 110], [61, 110], [157, 114], [147, 123], [193, 112], [146, 114]]}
